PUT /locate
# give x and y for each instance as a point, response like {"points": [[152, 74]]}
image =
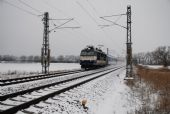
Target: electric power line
{"points": [[26, 11], [59, 10], [103, 17], [29, 6], [51, 6], [104, 33], [115, 15], [98, 16], [68, 27], [114, 23], [93, 7], [87, 12], [102, 26], [91, 16], [60, 19], [60, 25]]}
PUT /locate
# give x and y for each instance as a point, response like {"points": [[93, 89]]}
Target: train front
{"points": [[88, 58]]}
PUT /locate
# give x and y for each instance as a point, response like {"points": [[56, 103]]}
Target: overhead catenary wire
{"points": [[81, 6], [103, 17], [22, 2], [51, 6], [68, 27], [95, 12], [93, 7], [61, 25], [89, 14], [22, 9], [63, 19], [86, 12], [83, 32], [99, 16], [114, 15], [31, 13], [60, 19], [102, 26], [113, 23], [59, 10], [120, 15]]}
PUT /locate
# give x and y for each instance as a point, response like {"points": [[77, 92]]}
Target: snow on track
{"points": [[39, 96], [28, 85], [105, 95]]}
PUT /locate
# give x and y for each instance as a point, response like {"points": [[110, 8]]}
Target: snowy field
{"points": [[154, 66], [17, 70], [36, 67]]}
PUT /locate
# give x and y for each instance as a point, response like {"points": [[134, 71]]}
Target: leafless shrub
{"points": [[159, 81]]}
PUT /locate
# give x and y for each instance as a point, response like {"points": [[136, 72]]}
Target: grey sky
{"points": [[22, 33]]}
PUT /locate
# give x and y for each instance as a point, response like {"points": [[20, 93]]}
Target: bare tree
{"points": [[23, 58], [60, 58], [37, 58], [30, 58], [161, 55]]}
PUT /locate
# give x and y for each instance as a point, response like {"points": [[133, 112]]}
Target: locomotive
{"points": [[92, 57]]}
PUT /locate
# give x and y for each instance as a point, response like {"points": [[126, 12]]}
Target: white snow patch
{"points": [[17, 70], [154, 66], [36, 67], [119, 99]]}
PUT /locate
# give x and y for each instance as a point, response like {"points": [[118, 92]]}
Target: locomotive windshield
{"points": [[89, 53]]}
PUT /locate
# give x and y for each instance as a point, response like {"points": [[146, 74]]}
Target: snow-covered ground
{"points": [[106, 95], [154, 66], [118, 99], [36, 67], [17, 70]]}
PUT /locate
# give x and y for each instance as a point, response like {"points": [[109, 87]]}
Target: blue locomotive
{"points": [[92, 57]]}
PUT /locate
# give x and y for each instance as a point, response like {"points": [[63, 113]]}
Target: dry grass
{"points": [[159, 82]]}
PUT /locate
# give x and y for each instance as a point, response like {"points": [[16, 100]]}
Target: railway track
{"points": [[37, 77], [57, 80], [15, 102]]}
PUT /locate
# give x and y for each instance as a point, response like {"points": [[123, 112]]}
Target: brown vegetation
{"points": [[158, 81]]}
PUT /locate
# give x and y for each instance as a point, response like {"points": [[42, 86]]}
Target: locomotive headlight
{"points": [[95, 57]]}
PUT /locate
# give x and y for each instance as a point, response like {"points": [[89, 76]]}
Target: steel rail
{"points": [[4, 97], [24, 105], [38, 77]]}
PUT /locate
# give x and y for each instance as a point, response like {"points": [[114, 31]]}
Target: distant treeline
{"points": [[23, 58], [160, 56]]}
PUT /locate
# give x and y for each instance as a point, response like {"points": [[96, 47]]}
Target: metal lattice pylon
{"points": [[45, 52], [129, 43]]}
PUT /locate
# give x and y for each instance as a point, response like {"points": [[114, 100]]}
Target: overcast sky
{"points": [[21, 33]]}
